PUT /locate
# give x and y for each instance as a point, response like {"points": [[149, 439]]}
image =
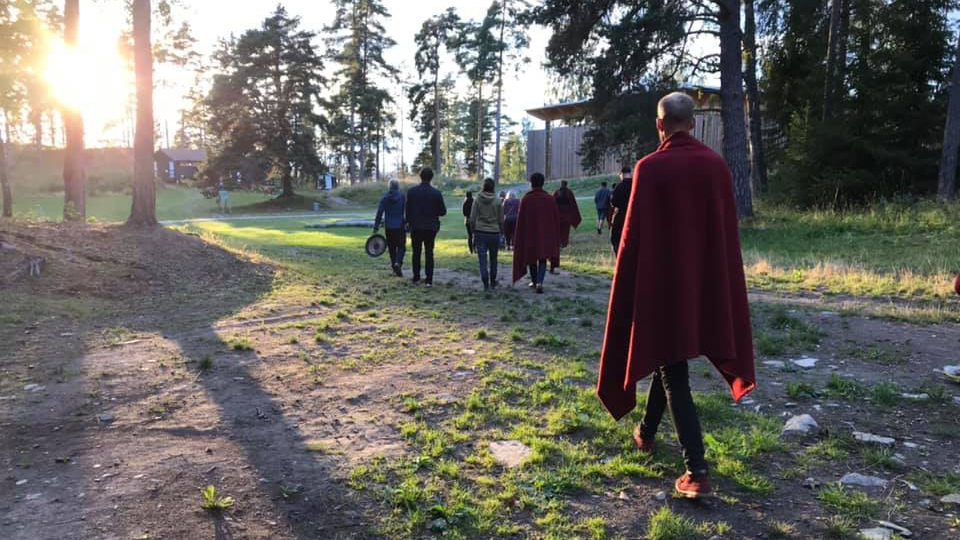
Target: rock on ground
{"points": [[953, 498], [857, 479], [877, 533], [806, 363], [871, 438], [510, 454], [800, 424]]}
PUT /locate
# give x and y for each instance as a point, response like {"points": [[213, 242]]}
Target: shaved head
{"points": [[675, 113]]}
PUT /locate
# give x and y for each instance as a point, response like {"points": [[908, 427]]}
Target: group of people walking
{"points": [[678, 289]]}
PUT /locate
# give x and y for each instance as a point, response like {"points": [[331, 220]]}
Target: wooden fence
{"points": [[565, 160]]}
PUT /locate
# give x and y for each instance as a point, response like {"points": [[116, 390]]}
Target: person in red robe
{"points": [[679, 291], [537, 238], [956, 284], [569, 212]]}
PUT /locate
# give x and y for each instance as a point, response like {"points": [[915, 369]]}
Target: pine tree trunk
{"points": [[436, 120], [5, 182], [480, 131], [947, 185], [757, 157], [496, 157], [143, 213], [74, 175], [731, 113], [830, 74], [36, 118]]}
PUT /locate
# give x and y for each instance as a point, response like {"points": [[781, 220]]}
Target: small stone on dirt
{"points": [[916, 397], [21, 482], [953, 498], [871, 438], [952, 373], [902, 531], [510, 454], [811, 483], [661, 496], [857, 479], [623, 496], [800, 424], [806, 363], [469, 352], [34, 388], [105, 418], [877, 533], [775, 364]]}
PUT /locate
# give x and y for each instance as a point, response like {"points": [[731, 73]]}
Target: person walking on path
{"points": [[618, 207], [569, 212], [486, 220], [390, 214], [223, 194], [424, 209], [511, 209], [538, 234], [467, 206], [602, 201], [678, 290]]}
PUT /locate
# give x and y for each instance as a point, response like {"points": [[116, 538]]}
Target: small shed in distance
{"points": [[555, 151], [174, 165]]}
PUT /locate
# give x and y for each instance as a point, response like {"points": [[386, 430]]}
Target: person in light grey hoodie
{"points": [[486, 220]]}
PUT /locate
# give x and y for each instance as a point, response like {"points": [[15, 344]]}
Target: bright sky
{"points": [[106, 107]]}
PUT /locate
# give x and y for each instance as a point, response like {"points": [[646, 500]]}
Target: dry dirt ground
{"points": [[142, 367]]}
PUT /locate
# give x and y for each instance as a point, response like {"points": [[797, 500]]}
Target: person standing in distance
{"points": [[390, 214], [537, 238], [618, 207], [425, 207], [467, 207], [602, 201], [678, 292]]}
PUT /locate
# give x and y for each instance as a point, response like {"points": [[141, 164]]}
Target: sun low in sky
{"points": [[91, 77]]}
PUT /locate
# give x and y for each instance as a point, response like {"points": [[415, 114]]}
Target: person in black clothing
{"points": [[467, 207], [619, 202], [425, 207]]}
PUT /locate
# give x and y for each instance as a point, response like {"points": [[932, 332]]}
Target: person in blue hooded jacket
{"points": [[391, 215]]}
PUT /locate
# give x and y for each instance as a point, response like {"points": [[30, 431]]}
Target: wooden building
{"points": [[177, 165], [555, 151]]}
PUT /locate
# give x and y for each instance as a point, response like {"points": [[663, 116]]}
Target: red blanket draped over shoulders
{"points": [[678, 290], [569, 213], [538, 232]]}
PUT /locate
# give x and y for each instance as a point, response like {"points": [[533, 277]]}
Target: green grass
{"points": [[849, 503], [666, 524]]}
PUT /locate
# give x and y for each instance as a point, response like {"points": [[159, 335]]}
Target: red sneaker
{"points": [[693, 487], [643, 445]]}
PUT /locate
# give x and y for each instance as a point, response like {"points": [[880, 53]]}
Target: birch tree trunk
{"points": [[496, 158]]}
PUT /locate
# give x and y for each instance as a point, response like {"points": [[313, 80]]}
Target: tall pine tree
{"points": [[358, 41], [263, 105], [436, 34]]}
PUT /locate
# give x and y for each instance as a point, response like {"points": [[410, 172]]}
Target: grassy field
{"points": [[258, 388]]}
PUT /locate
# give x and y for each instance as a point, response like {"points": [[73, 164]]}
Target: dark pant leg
{"points": [[541, 271], [656, 405], [494, 250], [471, 239], [532, 270], [676, 384], [416, 239], [429, 239], [483, 245], [396, 244]]}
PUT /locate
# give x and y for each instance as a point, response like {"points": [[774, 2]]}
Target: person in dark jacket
{"points": [[618, 203], [467, 207], [486, 220], [511, 209], [425, 207], [391, 215], [602, 201]]}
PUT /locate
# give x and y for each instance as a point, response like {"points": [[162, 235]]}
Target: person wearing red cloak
{"points": [[956, 284], [678, 291], [537, 238], [569, 212]]}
